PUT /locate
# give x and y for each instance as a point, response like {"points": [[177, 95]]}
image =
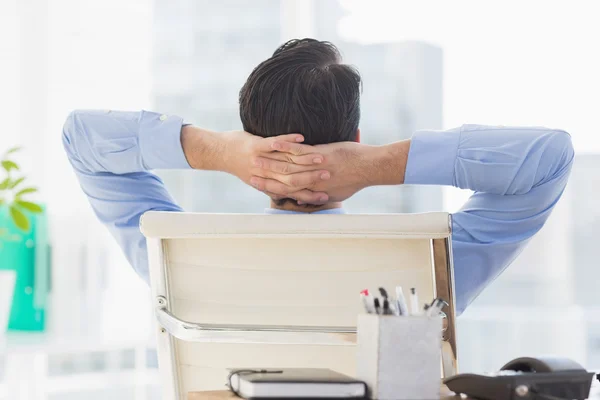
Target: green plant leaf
{"points": [[8, 165], [13, 150], [2, 201], [19, 219], [4, 184], [25, 191], [16, 182], [34, 208]]}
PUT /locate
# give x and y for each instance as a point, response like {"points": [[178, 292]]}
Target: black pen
{"points": [[377, 306], [383, 292], [386, 307]]}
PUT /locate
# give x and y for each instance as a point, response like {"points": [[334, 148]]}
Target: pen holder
{"points": [[399, 358]]}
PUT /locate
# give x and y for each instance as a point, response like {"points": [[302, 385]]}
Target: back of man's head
{"points": [[303, 88]]}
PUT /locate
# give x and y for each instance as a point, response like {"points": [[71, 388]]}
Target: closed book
{"points": [[295, 383]]}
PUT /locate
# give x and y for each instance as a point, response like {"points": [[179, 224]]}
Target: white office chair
{"points": [[246, 290]]}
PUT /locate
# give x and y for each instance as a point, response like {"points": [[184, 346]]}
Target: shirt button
{"points": [[163, 117]]}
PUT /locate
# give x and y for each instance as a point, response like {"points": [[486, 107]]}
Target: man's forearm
{"points": [[354, 166], [489, 159], [239, 153], [110, 152], [518, 175], [386, 164], [203, 149]]}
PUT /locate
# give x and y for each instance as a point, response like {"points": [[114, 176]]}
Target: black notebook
{"points": [[295, 383]]}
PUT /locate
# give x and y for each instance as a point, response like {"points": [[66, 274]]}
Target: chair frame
{"points": [[171, 327]]}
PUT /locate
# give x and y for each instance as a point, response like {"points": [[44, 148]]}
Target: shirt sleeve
{"points": [[112, 153], [517, 174]]}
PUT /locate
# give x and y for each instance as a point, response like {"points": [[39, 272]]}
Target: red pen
{"points": [[367, 300]]}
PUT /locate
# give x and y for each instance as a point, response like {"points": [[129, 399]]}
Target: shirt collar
{"points": [[330, 211]]}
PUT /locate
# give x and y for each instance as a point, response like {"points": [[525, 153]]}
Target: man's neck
{"points": [[291, 206]]}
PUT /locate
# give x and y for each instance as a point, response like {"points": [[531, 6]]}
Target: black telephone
{"points": [[543, 378]]}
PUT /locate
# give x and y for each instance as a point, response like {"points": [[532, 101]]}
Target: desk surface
{"points": [[445, 394]]}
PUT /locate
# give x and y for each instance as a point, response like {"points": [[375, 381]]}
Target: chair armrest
{"points": [[276, 334]]}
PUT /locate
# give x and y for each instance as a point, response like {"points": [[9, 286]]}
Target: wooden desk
{"points": [[224, 394], [445, 394]]}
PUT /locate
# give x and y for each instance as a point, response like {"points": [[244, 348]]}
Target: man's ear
{"points": [[358, 135]]}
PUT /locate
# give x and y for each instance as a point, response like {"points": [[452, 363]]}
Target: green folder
{"points": [[27, 253]]}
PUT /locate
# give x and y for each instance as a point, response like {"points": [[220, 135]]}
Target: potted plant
{"points": [[12, 192], [24, 248]]}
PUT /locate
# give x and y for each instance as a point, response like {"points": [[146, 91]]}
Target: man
{"points": [[303, 88], [518, 174]]}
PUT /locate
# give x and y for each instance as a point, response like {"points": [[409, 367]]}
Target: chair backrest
{"points": [[246, 290]]}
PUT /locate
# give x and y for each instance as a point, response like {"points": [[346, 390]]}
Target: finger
{"points": [[301, 180], [274, 196], [271, 186], [309, 197], [266, 144], [276, 188], [282, 167], [306, 159], [304, 196], [279, 189], [277, 197], [296, 149]]}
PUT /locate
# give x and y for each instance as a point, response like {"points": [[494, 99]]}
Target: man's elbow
{"points": [[561, 148], [69, 129], [72, 128], [556, 159], [71, 135]]}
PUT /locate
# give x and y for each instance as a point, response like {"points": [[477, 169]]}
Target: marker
{"points": [[436, 308], [377, 307], [401, 301], [414, 302], [391, 308], [383, 292], [386, 307], [367, 300], [394, 307]]}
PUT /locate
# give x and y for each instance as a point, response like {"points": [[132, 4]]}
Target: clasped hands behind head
{"points": [[300, 111], [305, 88]]}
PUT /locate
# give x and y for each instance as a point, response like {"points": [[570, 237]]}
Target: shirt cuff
{"points": [[160, 141], [432, 157]]}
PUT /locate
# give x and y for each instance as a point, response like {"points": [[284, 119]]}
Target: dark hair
{"points": [[303, 88]]}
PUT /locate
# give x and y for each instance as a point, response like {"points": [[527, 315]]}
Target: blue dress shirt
{"points": [[517, 174]]}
